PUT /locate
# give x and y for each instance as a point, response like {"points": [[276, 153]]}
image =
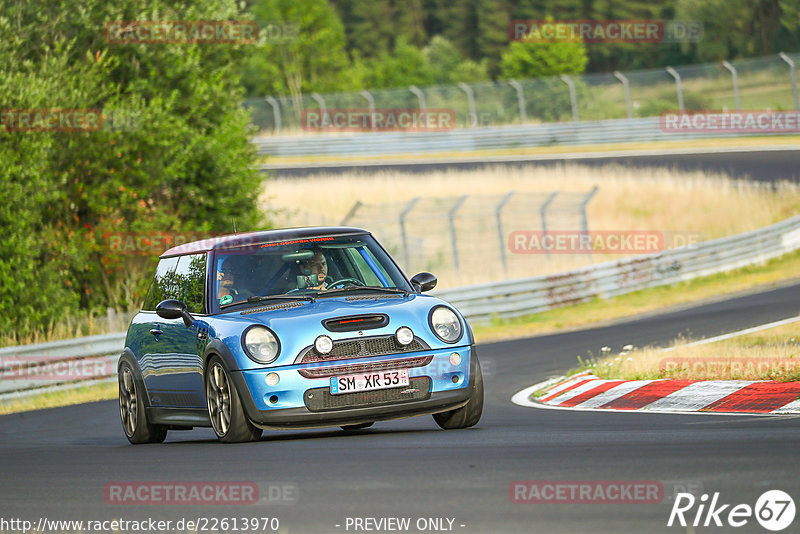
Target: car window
{"points": [[190, 276], [161, 287], [365, 272]]}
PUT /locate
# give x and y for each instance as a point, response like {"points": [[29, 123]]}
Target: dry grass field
{"points": [[696, 204], [772, 354]]}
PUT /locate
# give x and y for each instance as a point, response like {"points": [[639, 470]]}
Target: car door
{"points": [[172, 367]]}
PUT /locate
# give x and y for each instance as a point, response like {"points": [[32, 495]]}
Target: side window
{"points": [[190, 281], [161, 287]]}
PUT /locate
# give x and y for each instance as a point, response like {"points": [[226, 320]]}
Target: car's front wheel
{"points": [[225, 409], [131, 410], [469, 414]]}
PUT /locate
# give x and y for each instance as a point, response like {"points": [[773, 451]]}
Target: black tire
{"points": [[225, 410], [360, 426], [131, 409], [469, 414]]}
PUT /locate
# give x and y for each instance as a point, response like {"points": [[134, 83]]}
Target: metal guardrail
{"points": [[474, 139], [58, 364], [516, 298], [32, 368]]}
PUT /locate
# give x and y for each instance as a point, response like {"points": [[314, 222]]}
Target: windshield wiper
{"points": [[347, 289], [253, 300]]}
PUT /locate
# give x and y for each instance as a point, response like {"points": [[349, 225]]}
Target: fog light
{"points": [[323, 344], [455, 358], [272, 379], [273, 399], [455, 379], [404, 335]]}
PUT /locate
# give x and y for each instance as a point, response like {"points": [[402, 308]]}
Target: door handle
{"points": [[156, 332]]}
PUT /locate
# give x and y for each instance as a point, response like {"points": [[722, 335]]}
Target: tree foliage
{"points": [[173, 152]]}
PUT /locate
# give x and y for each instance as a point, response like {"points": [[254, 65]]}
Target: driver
{"points": [[226, 276], [317, 268]]}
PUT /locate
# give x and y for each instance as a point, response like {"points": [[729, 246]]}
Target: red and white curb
{"points": [[585, 391]]}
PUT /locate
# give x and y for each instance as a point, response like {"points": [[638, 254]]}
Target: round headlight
{"points": [[261, 344], [323, 344], [404, 335], [445, 324]]}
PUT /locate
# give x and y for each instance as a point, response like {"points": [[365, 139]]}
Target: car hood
{"points": [[298, 326]]}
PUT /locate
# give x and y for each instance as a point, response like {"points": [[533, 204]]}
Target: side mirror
{"points": [[174, 309], [423, 282]]}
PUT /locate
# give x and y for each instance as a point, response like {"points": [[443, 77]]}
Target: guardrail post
{"points": [[420, 96], [735, 77], [473, 119], [403, 234], [276, 113], [451, 215], [626, 86], [523, 114], [793, 75], [573, 96], [320, 101], [499, 217], [674, 73], [352, 212], [371, 104], [584, 218]]}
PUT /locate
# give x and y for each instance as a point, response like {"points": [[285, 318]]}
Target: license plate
{"points": [[369, 381]]}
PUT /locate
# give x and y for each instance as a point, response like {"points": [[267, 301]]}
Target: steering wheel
{"points": [[343, 280]]}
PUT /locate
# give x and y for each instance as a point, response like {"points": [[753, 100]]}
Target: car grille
{"points": [[320, 399], [362, 368], [345, 349]]}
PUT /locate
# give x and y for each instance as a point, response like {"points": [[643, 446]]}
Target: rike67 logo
{"points": [[774, 510]]}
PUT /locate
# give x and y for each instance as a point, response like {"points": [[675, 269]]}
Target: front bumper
{"points": [[287, 405]]}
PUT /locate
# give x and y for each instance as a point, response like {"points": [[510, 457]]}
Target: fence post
{"points": [[499, 217], [470, 102], [627, 88], [371, 104], [352, 212], [735, 77], [523, 114], [674, 73], [320, 101], [451, 215], [403, 234], [584, 218], [573, 96], [420, 96], [276, 113], [793, 75], [543, 214]]}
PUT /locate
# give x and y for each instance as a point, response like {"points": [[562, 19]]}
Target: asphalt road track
{"points": [[760, 165], [55, 463]]}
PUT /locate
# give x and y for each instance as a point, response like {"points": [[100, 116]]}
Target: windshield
{"points": [[329, 264]]}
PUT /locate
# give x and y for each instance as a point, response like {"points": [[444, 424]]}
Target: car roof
{"points": [[264, 236]]}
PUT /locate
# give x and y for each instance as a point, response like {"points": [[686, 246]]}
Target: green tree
{"points": [[182, 160], [534, 60]]}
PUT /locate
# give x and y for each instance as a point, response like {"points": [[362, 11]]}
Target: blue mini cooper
{"points": [[295, 328]]}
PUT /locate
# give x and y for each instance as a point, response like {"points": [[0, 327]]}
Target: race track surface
{"points": [[56, 463]]}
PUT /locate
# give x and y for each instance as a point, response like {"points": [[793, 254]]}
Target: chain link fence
{"points": [[763, 83], [467, 234]]}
